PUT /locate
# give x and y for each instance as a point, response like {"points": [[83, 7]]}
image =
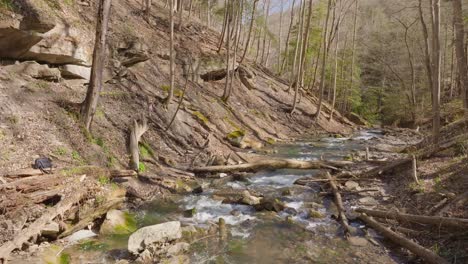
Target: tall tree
{"points": [[324, 60], [88, 107], [291, 23], [171, 54], [252, 20], [459, 48], [426, 46], [353, 58], [436, 70], [303, 50], [229, 15]]}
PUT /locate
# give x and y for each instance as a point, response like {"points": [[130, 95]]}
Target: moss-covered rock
{"points": [[118, 222]]}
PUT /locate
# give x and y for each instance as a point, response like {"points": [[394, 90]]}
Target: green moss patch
{"points": [[200, 117], [236, 134]]}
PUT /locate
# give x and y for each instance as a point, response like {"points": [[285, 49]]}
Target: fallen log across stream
{"points": [[272, 164], [439, 221], [424, 253]]}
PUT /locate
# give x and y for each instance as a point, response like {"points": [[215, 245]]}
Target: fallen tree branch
{"points": [[23, 173], [460, 223], [272, 164], [339, 204], [427, 255]]}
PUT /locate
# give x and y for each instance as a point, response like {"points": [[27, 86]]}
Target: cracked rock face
{"points": [[42, 37]]}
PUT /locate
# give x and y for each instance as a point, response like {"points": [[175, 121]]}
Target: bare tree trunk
{"points": [[168, 99], [324, 60], [223, 31], [286, 48], [304, 45], [88, 107], [436, 71], [414, 109], [295, 70], [280, 36], [426, 46], [335, 73], [228, 51], [461, 56], [265, 33], [208, 13], [250, 30], [353, 58], [190, 9], [179, 26]]}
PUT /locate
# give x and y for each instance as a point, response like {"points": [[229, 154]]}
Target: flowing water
{"points": [[289, 236]]}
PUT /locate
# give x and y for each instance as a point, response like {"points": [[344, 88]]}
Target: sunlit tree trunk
{"points": [[286, 48], [280, 36], [265, 31], [171, 54], [353, 58], [225, 96], [324, 60], [89, 105], [223, 31], [252, 20], [303, 50]]}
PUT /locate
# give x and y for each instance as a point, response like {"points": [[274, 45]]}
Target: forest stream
{"points": [[304, 231]]}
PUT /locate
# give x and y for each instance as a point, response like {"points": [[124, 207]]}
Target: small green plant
{"points": [[461, 148], [76, 156], [65, 258], [111, 161], [61, 151], [141, 167], [416, 187], [145, 150], [6, 4], [438, 185], [100, 142], [103, 180]]}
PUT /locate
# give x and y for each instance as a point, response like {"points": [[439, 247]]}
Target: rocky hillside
{"points": [[46, 50]]}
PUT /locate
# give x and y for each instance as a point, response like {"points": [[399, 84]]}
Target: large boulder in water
{"points": [[154, 235]]}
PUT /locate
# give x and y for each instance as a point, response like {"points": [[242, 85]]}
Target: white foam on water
{"points": [[275, 181], [235, 185], [296, 204], [210, 210]]}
